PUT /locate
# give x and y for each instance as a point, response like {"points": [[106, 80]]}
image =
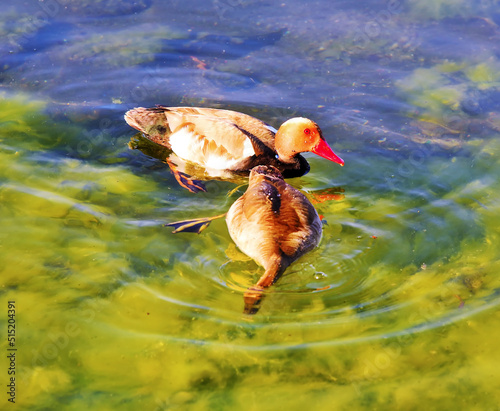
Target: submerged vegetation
{"points": [[398, 306], [400, 288]]}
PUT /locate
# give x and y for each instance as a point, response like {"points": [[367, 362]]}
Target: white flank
{"points": [[188, 146], [215, 162], [248, 150]]}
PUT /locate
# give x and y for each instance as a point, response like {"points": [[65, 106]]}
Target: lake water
{"points": [[398, 308]]}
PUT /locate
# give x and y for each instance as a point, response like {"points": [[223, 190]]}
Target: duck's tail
{"points": [[253, 296]]}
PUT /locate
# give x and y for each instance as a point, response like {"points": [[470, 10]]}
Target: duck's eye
{"points": [[307, 131]]}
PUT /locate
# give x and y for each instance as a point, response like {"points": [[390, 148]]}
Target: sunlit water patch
{"points": [[387, 264], [406, 257]]}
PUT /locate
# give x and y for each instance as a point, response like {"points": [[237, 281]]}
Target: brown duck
{"points": [[273, 223]]}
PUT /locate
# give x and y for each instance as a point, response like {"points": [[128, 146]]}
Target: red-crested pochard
{"points": [[225, 140]]}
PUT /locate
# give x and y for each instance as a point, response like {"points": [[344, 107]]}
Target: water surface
{"points": [[398, 306]]}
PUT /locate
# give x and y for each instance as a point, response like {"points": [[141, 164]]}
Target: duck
{"points": [[272, 222], [223, 142]]}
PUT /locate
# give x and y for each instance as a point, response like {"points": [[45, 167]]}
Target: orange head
{"points": [[301, 134]]}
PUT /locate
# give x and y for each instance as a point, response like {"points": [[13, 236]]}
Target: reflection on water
{"points": [[397, 307]]}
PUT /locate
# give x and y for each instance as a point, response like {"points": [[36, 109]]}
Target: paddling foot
{"points": [[189, 183], [195, 225]]}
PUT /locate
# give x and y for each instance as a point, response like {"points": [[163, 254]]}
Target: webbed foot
{"points": [[196, 225], [195, 186]]}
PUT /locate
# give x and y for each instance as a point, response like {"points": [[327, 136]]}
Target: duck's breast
{"points": [[273, 219], [253, 234]]}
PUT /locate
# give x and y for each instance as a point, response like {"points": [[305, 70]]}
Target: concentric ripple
{"points": [[370, 278]]}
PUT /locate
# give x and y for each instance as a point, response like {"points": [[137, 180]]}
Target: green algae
{"points": [[486, 75], [105, 7], [446, 9], [397, 308], [119, 48], [18, 28], [440, 9], [114, 312], [451, 102], [441, 89]]}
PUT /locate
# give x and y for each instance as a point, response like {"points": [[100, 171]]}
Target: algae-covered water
{"points": [[398, 306]]}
